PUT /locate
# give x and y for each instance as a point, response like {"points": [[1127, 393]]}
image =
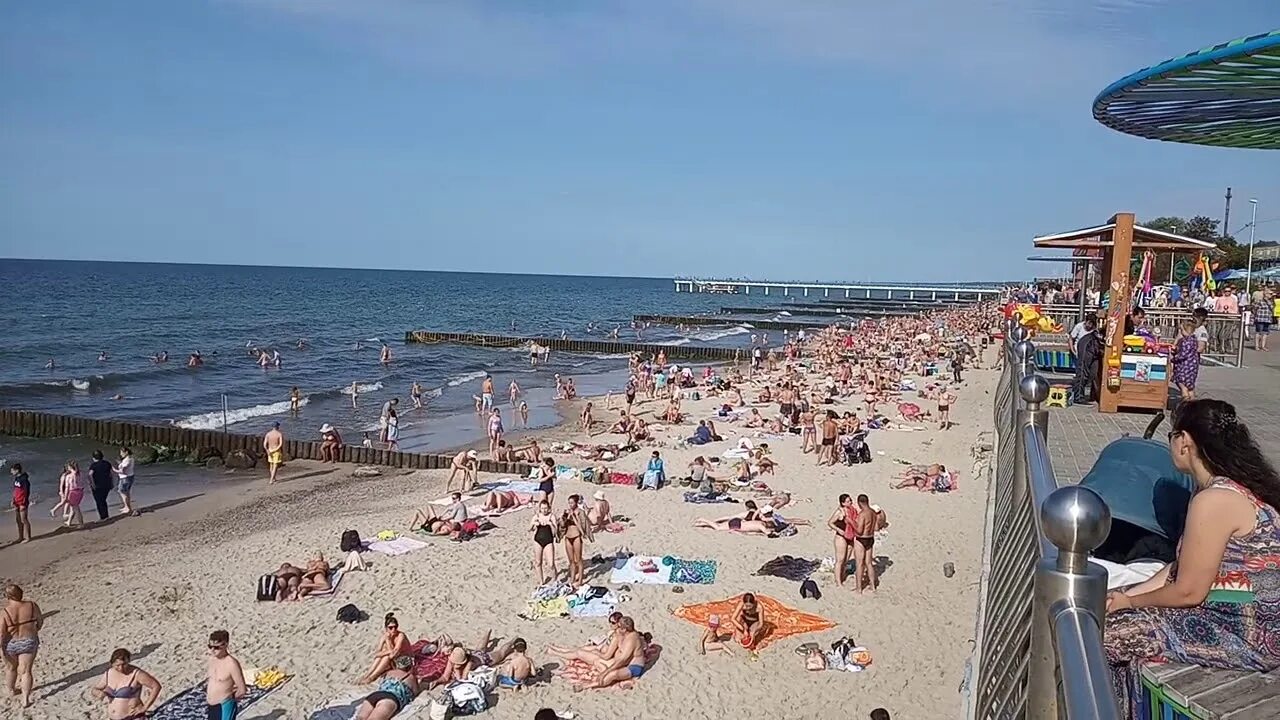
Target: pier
{"points": [[714, 320], [24, 423], [824, 310], [855, 290], [602, 347]]}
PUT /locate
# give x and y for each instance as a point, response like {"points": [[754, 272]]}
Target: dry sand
{"points": [[160, 583]]}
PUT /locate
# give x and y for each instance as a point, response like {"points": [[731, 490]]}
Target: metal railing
{"points": [[1039, 652], [1226, 332]]}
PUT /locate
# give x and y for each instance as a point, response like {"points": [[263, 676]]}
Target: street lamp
{"points": [[1253, 226]]}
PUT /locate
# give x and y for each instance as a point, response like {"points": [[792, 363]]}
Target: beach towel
{"points": [[691, 572], [335, 577], [581, 673], [342, 707], [790, 568], [696, 497], [400, 546], [632, 571], [427, 666], [780, 621], [190, 704]]}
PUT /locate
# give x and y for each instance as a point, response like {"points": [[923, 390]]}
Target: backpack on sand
{"points": [[350, 541], [268, 587]]}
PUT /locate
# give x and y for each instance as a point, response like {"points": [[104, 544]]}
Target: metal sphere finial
{"points": [[1034, 388], [1075, 519]]}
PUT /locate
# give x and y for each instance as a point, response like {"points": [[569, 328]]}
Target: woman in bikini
{"points": [[843, 522], [575, 526], [397, 688], [20, 624], [392, 645], [129, 690], [747, 523], [544, 529], [315, 578], [748, 621], [430, 522]]}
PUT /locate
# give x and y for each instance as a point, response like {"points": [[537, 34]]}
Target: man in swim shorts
{"points": [[628, 662], [516, 669], [486, 394], [226, 679], [273, 444], [865, 539], [21, 502]]}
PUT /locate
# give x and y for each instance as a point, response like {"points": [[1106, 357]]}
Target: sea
{"points": [[69, 312]]}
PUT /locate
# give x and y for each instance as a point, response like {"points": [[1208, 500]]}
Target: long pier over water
{"points": [[878, 291]]}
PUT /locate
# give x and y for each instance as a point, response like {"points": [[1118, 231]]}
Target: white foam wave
{"points": [[784, 313], [469, 377], [363, 388], [76, 383], [709, 335], [213, 420], [681, 341], [434, 392], [613, 356]]}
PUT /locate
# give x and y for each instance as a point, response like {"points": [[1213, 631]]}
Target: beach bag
{"points": [[350, 541], [268, 586], [809, 589], [815, 660], [468, 698], [350, 614]]}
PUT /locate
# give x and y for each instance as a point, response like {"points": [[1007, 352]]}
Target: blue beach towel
{"points": [[190, 704]]}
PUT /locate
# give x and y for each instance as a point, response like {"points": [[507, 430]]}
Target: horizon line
{"points": [[480, 272]]}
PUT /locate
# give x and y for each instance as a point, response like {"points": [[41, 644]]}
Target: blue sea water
{"points": [[69, 311]]}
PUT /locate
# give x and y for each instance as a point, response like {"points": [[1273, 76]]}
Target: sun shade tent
{"points": [[1141, 486], [1117, 240], [1227, 95]]}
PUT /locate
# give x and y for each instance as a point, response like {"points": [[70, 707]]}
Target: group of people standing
{"points": [[103, 476]]}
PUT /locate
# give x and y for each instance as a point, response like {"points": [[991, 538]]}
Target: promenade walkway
{"points": [[1078, 433]]}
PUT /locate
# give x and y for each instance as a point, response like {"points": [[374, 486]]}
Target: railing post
{"points": [[1024, 354], [1070, 592]]}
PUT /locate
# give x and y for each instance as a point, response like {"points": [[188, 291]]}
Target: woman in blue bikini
{"points": [[130, 691]]}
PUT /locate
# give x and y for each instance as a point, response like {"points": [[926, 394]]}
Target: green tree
{"points": [[1231, 254]]}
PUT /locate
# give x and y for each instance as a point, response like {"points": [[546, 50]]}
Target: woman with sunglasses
{"points": [[1218, 603], [393, 644]]}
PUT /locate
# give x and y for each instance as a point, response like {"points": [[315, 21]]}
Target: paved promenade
{"points": [[1078, 433]]}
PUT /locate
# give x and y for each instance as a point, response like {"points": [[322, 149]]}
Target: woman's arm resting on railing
{"points": [[1212, 518]]}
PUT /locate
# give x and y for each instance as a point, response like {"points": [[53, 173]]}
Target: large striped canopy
{"points": [[1226, 95]]}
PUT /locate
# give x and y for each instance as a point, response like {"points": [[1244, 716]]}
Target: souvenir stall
{"points": [[1135, 368]]}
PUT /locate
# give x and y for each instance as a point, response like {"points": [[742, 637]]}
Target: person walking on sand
{"points": [[20, 624], [71, 494], [101, 483], [273, 444], [226, 678], [946, 399], [21, 502], [125, 471]]}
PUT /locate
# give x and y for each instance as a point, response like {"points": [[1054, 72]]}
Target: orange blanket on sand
{"points": [[780, 621]]}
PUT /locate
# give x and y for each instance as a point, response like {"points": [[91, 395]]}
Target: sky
{"points": [[915, 140]]}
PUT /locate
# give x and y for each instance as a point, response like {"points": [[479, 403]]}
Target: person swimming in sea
{"points": [[102, 356], [50, 365]]}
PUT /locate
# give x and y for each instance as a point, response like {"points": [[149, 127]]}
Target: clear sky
{"points": [[785, 139]]}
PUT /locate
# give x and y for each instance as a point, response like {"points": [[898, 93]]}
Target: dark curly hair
{"points": [[1227, 447]]}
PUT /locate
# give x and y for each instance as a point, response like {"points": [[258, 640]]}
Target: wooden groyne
{"points": [[601, 347], [704, 320], [25, 423]]}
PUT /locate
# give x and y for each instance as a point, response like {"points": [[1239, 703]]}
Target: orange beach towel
{"points": [[780, 621]]}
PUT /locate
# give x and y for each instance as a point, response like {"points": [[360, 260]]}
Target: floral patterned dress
{"points": [[1236, 627], [1186, 362]]}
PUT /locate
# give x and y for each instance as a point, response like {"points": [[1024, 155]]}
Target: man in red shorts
{"points": [[21, 502]]}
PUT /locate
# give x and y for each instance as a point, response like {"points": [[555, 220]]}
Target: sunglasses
{"points": [[216, 646]]}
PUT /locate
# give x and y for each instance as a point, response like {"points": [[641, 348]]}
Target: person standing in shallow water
{"points": [[21, 502]]}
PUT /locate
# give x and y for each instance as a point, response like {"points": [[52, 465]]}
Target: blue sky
{"points": [[799, 139]]}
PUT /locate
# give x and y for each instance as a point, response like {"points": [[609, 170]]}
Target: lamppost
{"points": [[1253, 226]]}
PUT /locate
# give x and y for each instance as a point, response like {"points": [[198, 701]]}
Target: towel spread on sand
{"points": [[780, 621], [580, 673], [190, 703], [399, 546], [345, 706], [693, 496], [790, 568], [655, 570]]}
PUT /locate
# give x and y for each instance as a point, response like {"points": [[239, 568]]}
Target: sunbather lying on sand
{"points": [[315, 577], [287, 579], [933, 478], [501, 500], [462, 661], [397, 688], [737, 523], [429, 521]]}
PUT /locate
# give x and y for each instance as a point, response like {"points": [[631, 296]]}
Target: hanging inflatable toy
{"points": [[1029, 317], [1202, 275]]}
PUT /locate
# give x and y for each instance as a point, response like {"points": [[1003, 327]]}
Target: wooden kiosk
{"points": [[1129, 380]]}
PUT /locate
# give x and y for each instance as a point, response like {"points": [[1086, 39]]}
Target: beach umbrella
{"points": [[1230, 274]]}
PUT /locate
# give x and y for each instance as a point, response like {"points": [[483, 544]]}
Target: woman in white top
{"points": [[125, 487]]}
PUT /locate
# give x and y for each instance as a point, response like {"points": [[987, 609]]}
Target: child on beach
{"points": [[70, 494], [1186, 360], [712, 640]]}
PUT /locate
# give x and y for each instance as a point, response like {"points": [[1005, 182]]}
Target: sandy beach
{"points": [[158, 584]]}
